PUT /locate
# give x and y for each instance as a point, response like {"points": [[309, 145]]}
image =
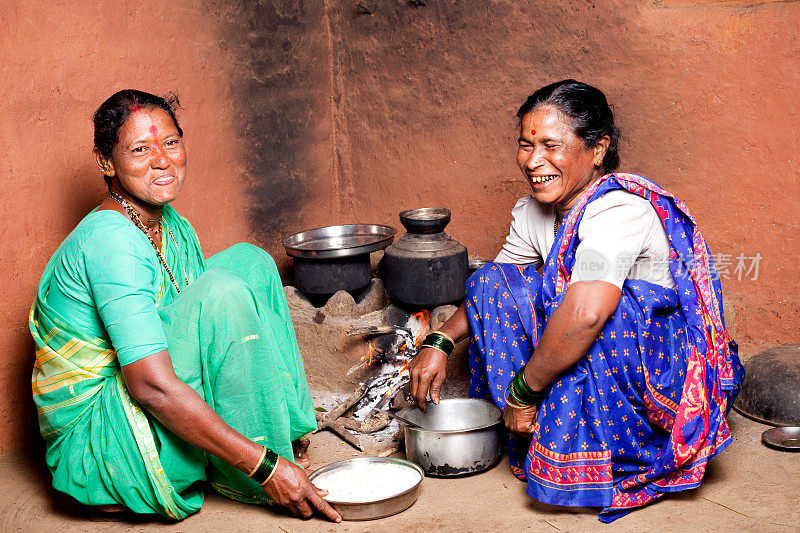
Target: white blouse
{"points": [[621, 237]]}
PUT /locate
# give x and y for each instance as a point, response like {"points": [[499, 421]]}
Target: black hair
{"points": [[112, 114], [591, 115]]}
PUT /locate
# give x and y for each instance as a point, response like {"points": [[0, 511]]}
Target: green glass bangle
{"points": [[264, 471], [439, 342], [513, 400], [525, 401], [522, 391]]}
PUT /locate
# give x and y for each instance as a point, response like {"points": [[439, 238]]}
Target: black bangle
{"points": [[438, 341], [266, 468]]}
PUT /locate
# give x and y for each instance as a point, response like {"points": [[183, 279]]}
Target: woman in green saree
{"points": [[156, 368]]}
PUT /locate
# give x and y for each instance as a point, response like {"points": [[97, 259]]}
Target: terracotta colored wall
{"points": [[705, 94], [299, 114]]}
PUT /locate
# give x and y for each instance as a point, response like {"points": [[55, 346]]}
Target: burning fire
{"points": [[392, 356], [370, 354], [424, 318]]}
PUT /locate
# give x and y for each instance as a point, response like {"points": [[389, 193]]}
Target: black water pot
{"points": [[326, 276], [335, 258], [426, 267]]}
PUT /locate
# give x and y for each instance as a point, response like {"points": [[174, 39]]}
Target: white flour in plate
{"points": [[367, 482]]}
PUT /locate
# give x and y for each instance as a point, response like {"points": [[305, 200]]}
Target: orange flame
{"points": [[423, 316], [370, 352], [369, 355]]}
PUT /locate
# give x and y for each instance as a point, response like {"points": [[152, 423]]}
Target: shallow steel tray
{"points": [[379, 508], [339, 241]]}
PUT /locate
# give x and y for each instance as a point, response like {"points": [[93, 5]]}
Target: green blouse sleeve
{"points": [[122, 270]]}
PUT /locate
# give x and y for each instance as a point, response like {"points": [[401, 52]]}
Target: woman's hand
{"points": [[152, 381], [428, 370], [290, 488], [520, 420]]}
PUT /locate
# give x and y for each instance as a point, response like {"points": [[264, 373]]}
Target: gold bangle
{"points": [[515, 405], [514, 402], [260, 459], [443, 334], [434, 348], [273, 471]]}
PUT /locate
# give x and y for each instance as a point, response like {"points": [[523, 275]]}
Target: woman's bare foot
{"points": [[300, 447]]}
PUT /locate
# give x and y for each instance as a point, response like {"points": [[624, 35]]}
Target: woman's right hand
{"points": [[290, 488], [521, 420], [428, 371]]}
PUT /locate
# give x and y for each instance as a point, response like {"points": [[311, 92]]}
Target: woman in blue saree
{"points": [[598, 329]]}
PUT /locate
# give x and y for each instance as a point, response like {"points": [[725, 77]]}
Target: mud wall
{"points": [[299, 114]]}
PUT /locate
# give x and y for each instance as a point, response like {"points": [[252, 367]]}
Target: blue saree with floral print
{"points": [[645, 409]]}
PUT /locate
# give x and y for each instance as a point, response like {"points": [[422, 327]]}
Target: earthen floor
{"points": [[747, 488]]}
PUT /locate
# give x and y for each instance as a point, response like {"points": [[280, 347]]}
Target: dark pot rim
{"points": [[425, 220]]}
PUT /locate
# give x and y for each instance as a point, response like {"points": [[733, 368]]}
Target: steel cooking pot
{"points": [[456, 437]]}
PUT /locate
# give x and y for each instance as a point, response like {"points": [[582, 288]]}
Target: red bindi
{"points": [[137, 107], [154, 130], [533, 132]]}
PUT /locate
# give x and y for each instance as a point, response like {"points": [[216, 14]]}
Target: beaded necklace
{"points": [[136, 217], [556, 224]]}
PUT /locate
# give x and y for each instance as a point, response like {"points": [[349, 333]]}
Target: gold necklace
{"points": [[137, 221], [150, 220]]}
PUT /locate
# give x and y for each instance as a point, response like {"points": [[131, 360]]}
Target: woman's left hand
{"points": [[520, 420]]}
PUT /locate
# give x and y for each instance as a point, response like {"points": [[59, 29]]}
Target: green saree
{"points": [[104, 300]]}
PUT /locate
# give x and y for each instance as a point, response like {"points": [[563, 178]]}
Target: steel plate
{"points": [[378, 508], [339, 241]]}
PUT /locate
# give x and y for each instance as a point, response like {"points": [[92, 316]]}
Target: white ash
{"points": [[381, 388], [417, 326], [392, 433]]}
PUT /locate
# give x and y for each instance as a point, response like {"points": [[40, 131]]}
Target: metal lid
{"points": [[339, 241]]}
